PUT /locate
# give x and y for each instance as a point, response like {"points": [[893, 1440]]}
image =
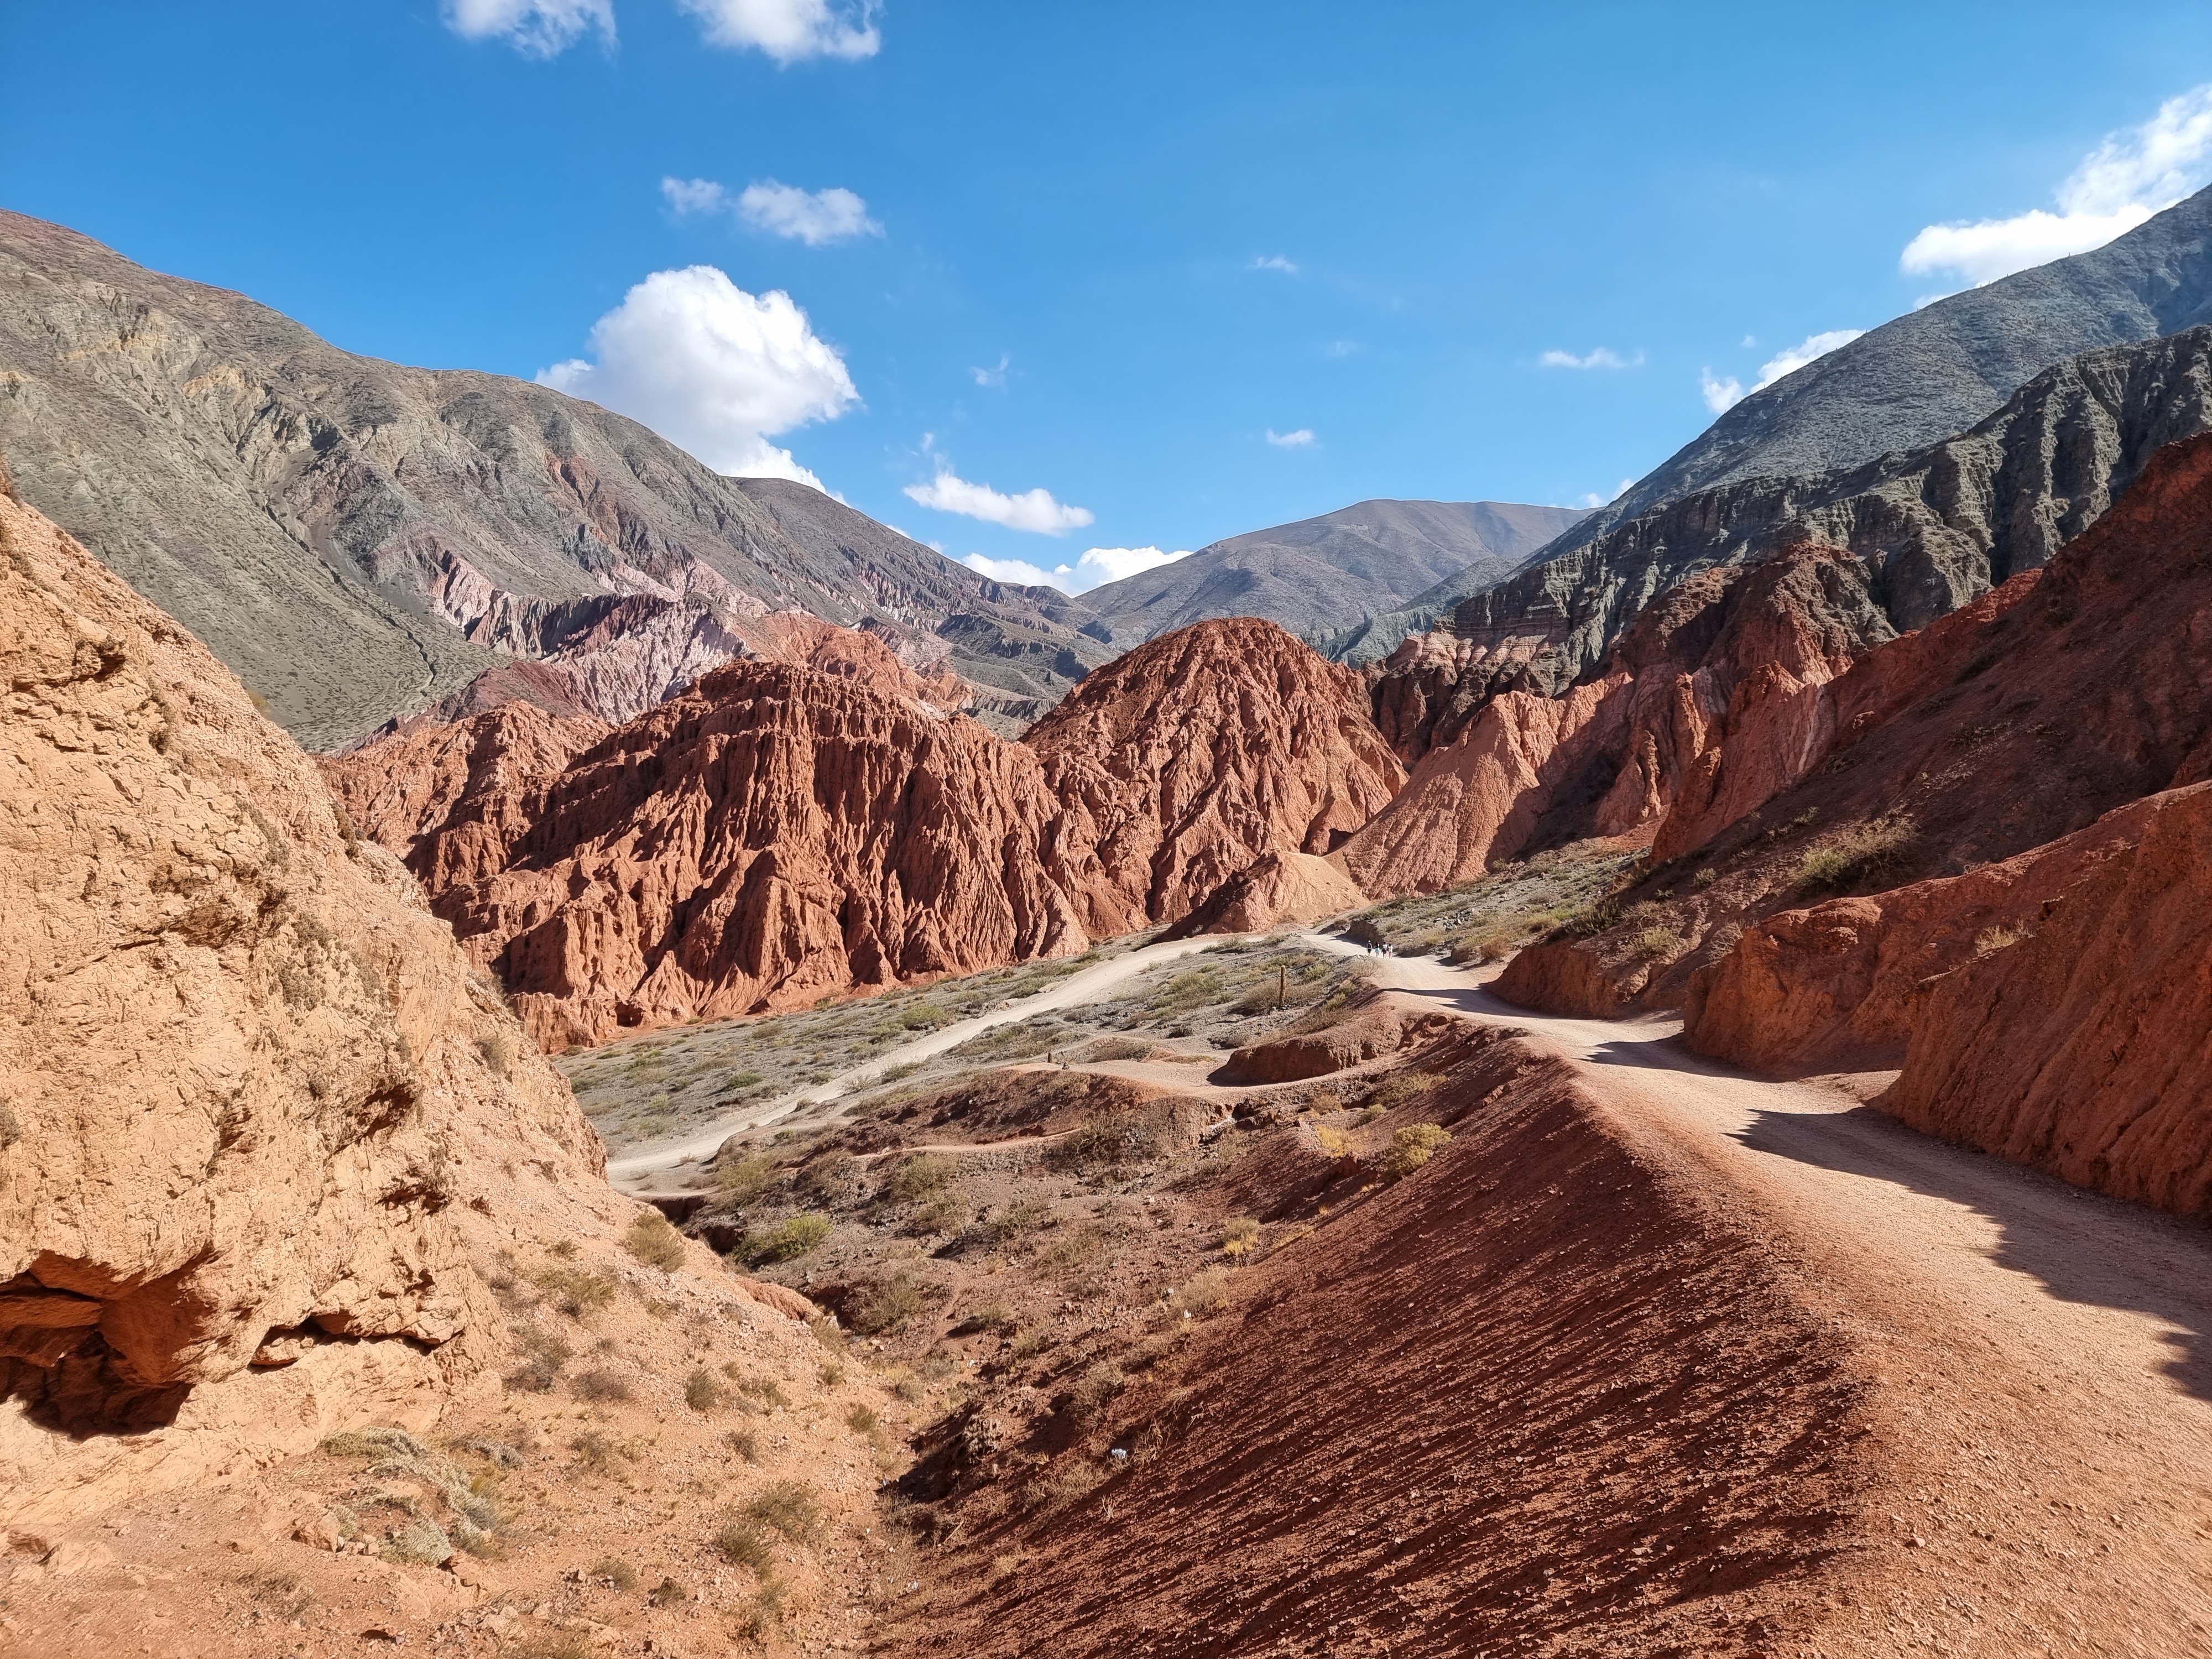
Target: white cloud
{"points": [[1033, 510], [1276, 262], [812, 216], [713, 369], [993, 377], [1302, 438], [1602, 357], [1593, 499], [790, 30], [1097, 566], [1341, 348], [695, 195], [1722, 395], [542, 28], [2117, 185], [815, 217]]}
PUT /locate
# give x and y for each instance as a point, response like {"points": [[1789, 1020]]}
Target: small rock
{"points": [[74, 1556]]}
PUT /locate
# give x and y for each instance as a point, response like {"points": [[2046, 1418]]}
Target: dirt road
{"points": [[2046, 1353], [647, 1166]]}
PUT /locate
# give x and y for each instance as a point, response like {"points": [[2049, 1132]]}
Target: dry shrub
{"points": [[1858, 852], [1335, 1142], [1103, 1143], [746, 1443], [1992, 939], [701, 1393], [1654, 941], [1412, 1147], [1404, 1086], [921, 1176], [887, 1308], [1073, 1481], [860, 1419], [791, 1508], [576, 1290], [1085, 1246], [748, 1180], [654, 1241], [600, 1385], [1203, 1293], [742, 1544], [1240, 1236], [789, 1240], [543, 1356], [1094, 1392], [616, 1573]]}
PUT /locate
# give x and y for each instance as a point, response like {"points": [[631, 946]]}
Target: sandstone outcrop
{"points": [[1279, 889], [777, 834], [771, 836], [1200, 751], [254, 1106], [1375, 1023], [2050, 1009]]}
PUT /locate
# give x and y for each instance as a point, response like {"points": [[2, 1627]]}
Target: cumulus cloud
{"points": [[1276, 262], [1600, 357], [815, 217], [1721, 394], [812, 216], [1593, 499], [2117, 185], [1097, 566], [711, 368], [1032, 510], [790, 30], [1302, 438], [542, 28]]}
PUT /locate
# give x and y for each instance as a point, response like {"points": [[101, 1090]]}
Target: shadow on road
{"points": [[2080, 1246]]}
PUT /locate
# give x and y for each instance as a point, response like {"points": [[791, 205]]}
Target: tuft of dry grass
{"points": [[654, 1241], [599, 1384], [791, 1508], [701, 1393], [1240, 1236], [1858, 852], [1412, 1147]]}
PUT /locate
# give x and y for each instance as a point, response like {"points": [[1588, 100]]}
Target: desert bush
{"points": [[991, 1317], [1016, 1220], [576, 1290], [1704, 877], [920, 1176], [283, 1591], [1322, 1101], [765, 1389], [423, 1541], [1413, 1146], [1489, 945], [788, 1507], [1240, 1236], [1857, 852], [600, 1385], [1075, 1480], [792, 1238], [701, 1393], [1081, 1247], [829, 1373], [890, 1305], [654, 1241], [899, 1073], [746, 1443], [1335, 1142], [616, 1573], [909, 1389], [1404, 1086], [1654, 941], [377, 1442], [747, 1180], [1992, 939], [939, 1216], [668, 1593], [742, 1544], [543, 1356], [496, 1053], [1030, 1343], [1103, 1143], [860, 1419], [924, 1017], [1094, 1392], [593, 1451], [1116, 1048]]}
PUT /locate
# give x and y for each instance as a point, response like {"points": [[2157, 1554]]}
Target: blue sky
{"points": [[1084, 269]]}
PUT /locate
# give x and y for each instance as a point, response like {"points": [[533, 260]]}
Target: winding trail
{"points": [[2043, 1355], [639, 1171]]}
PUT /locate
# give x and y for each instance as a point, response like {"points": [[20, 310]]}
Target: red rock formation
{"points": [[1373, 1024], [770, 836], [1279, 889], [1200, 752], [1708, 702], [777, 834], [1994, 730], [249, 1091], [2052, 1009]]}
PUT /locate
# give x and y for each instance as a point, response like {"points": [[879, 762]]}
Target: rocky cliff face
{"points": [[254, 1106], [1997, 729], [360, 540], [2049, 1008], [1195, 754], [1706, 707]]}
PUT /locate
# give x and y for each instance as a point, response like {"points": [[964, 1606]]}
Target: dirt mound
{"points": [[1205, 750], [1369, 1024], [1994, 730], [1471, 1408], [251, 1090], [1278, 891]]}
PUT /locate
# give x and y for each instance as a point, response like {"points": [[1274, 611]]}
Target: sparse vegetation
{"points": [[920, 1176], [701, 1393], [1858, 854], [1240, 1236], [1412, 1147], [790, 1508], [1094, 1392], [790, 1239], [1990, 941], [1401, 1087], [860, 1419], [654, 1241], [601, 1386], [742, 1544], [1656, 940], [890, 1305], [747, 1180], [616, 1573]]}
